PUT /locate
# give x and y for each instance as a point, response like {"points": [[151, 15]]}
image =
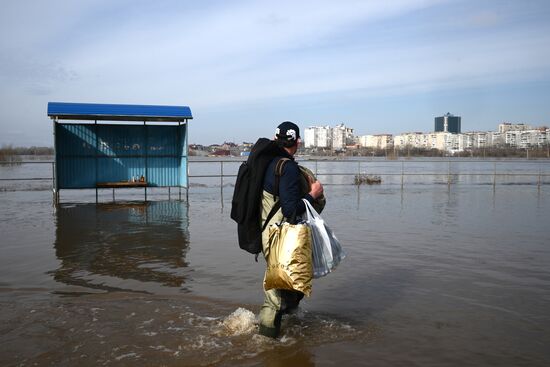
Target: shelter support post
{"points": [[146, 132], [540, 178], [495, 177], [96, 127], [402, 174], [221, 176], [449, 175], [221, 183], [55, 183]]}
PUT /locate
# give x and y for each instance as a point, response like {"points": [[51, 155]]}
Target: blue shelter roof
{"points": [[117, 112]]}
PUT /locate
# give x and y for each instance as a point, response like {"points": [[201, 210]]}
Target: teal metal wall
{"points": [[87, 154]]}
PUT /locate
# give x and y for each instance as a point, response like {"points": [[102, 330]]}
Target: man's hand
{"points": [[316, 189]]}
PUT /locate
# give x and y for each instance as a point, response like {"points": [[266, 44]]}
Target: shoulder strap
{"points": [[274, 210], [278, 173]]}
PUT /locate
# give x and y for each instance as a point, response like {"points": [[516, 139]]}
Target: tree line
{"points": [[12, 154], [391, 153]]}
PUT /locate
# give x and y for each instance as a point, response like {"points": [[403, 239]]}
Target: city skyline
{"points": [[245, 66], [310, 138]]}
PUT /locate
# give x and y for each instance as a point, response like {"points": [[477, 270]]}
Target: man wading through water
{"points": [[287, 136]]}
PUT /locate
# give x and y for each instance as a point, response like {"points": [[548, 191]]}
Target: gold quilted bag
{"points": [[289, 258]]}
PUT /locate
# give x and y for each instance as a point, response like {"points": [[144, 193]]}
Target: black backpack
{"points": [[246, 202]]}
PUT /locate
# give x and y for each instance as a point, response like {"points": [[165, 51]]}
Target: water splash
{"points": [[241, 321]]}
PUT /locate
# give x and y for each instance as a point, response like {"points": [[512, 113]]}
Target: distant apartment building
{"points": [[513, 135], [495, 139], [326, 137], [507, 126], [474, 140], [318, 137], [437, 140], [448, 123], [543, 139], [342, 136], [379, 141], [442, 141], [309, 138], [453, 143], [338, 139], [526, 138], [416, 139]]}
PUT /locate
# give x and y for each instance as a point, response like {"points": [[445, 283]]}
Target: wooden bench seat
{"points": [[121, 184]]}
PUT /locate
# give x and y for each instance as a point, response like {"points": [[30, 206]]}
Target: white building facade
{"points": [[519, 136], [326, 137], [416, 140], [342, 136], [454, 143], [526, 138], [318, 137], [507, 126], [379, 141]]}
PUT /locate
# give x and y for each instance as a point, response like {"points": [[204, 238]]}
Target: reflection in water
{"points": [[296, 356], [106, 246]]}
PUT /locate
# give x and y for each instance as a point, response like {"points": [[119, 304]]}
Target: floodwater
{"points": [[435, 274]]}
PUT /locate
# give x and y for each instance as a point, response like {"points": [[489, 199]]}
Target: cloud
{"points": [[214, 54], [239, 53], [485, 18], [209, 54]]}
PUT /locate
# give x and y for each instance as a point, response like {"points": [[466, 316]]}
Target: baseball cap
{"points": [[287, 131]]}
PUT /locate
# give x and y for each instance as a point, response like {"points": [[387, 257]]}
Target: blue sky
{"points": [[245, 66]]}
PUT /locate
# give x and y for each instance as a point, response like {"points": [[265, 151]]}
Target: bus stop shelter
{"points": [[119, 146]]}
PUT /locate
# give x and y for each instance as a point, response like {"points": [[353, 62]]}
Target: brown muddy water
{"points": [[434, 276]]}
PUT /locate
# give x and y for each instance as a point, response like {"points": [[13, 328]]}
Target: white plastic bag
{"points": [[327, 251]]}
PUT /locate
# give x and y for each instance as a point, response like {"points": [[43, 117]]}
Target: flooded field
{"points": [[435, 275]]}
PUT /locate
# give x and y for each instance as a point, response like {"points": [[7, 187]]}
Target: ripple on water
{"points": [[112, 329]]}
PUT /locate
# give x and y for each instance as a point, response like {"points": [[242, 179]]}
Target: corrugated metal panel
{"points": [[122, 140], [183, 178], [114, 112], [75, 172], [111, 169], [76, 140], [87, 154], [163, 141], [162, 171]]}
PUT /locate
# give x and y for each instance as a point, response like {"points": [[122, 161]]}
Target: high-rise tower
{"points": [[448, 123]]}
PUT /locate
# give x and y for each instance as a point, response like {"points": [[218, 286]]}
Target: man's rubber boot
{"points": [[272, 332]]}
